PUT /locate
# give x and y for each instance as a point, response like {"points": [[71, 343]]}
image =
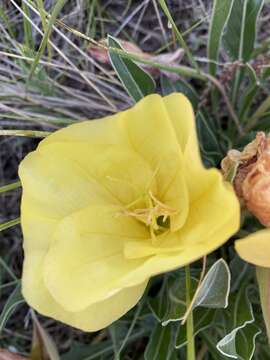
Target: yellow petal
{"points": [[212, 220], [92, 318], [107, 171], [153, 137], [255, 248], [85, 260], [145, 130], [182, 117], [37, 240], [59, 186]]}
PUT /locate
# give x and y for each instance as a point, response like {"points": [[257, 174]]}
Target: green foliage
{"points": [[220, 13], [56, 10], [136, 81], [160, 345], [15, 299], [238, 323], [214, 290], [239, 38], [180, 85]]}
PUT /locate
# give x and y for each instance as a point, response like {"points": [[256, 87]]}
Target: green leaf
{"points": [[168, 86], [176, 300], [220, 14], [119, 330], [202, 319], [240, 270], [136, 81], [27, 27], [15, 299], [100, 350], [215, 287], [239, 318], [159, 304], [209, 144], [240, 35], [160, 344], [245, 342]]}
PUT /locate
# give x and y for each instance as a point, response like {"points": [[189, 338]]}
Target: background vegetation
{"points": [[50, 77]]}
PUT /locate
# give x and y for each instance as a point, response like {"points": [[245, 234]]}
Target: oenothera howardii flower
{"points": [[109, 203]]}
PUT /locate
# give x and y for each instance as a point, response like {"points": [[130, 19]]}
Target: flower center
{"points": [[154, 215]]}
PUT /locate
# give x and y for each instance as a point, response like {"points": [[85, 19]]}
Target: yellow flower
{"points": [[109, 203], [255, 248]]}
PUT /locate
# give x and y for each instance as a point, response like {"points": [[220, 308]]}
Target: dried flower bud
{"points": [[252, 178]]}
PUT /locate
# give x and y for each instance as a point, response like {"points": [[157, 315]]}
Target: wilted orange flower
{"points": [[252, 178]]}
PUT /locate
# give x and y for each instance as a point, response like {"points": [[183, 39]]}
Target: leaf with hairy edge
{"points": [[245, 342], [136, 81], [212, 293], [240, 326], [176, 300], [240, 35], [215, 287], [220, 14]]}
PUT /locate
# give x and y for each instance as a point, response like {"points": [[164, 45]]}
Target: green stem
{"points": [[189, 324], [265, 105], [179, 35], [9, 224], [27, 133], [9, 187]]}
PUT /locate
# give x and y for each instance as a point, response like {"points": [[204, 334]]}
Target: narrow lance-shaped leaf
{"points": [[136, 81], [240, 35], [220, 14]]}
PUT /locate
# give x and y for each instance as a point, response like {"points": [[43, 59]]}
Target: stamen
{"points": [[154, 213]]}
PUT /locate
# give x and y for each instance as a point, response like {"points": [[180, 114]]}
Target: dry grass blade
{"points": [[56, 10]]}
